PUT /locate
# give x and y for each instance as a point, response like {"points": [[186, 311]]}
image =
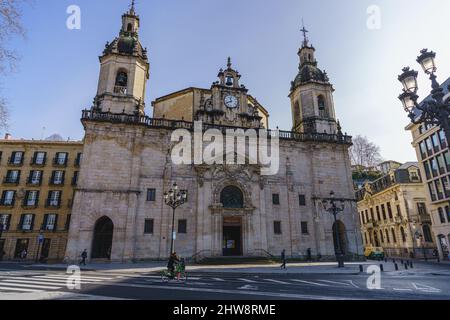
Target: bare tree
{"points": [[364, 153], [10, 26]]}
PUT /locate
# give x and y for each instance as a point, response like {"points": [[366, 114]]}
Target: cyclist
{"points": [[173, 261], [181, 268]]}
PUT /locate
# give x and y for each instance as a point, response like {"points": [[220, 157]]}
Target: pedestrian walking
{"points": [[83, 257], [23, 254], [308, 255], [283, 259]]}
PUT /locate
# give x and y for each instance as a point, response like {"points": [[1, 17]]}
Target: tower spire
{"points": [[132, 10], [304, 31], [229, 63]]}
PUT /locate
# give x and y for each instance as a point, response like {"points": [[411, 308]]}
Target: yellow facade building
{"points": [[36, 192], [394, 214]]}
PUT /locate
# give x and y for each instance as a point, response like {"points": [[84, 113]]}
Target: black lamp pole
{"points": [[331, 206], [433, 111], [174, 198]]}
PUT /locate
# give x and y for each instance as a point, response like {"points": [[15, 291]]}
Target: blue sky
{"points": [[189, 41]]}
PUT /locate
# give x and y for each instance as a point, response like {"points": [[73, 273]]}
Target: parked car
{"points": [[374, 253]]}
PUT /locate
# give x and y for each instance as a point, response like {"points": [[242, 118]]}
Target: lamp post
{"points": [[433, 111], [174, 198], [332, 207], [40, 240]]}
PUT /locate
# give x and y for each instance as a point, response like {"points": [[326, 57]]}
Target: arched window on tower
{"points": [[130, 27], [229, 80], [121, 83], [322, 106]]}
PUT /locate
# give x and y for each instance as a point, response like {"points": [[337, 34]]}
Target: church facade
{"points": [[119, 213]]}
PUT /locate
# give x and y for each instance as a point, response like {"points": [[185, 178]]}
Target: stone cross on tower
{"points": [[305, 38]]}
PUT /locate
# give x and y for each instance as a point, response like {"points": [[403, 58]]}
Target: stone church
{"points": [[119, 213]]}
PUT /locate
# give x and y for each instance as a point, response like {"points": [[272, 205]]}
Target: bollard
{"points": [[385, 260], [438, 260], [381, 267], [401, 261], [393, 260], [406, 266], [361, 268], [396, 266], [411, 264]]}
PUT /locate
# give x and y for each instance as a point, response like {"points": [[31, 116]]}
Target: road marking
{"points": [[67, 277], [351, 282], [247, 280], [42, 279], [248, 287], [277, 281], [310, 282], [335, 282], [402, 289], [425, 288], [218, 279], [18, 284], [18, 289]]}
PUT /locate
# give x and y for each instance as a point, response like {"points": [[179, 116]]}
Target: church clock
{"points": [[231, 101]]}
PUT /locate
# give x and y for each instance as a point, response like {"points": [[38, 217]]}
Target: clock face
{"points": [[231, 101]]}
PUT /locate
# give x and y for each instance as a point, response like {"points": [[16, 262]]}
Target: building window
{"points": [[31, 199], [446, 186], [35, 177], [421, 208], [8, 198], [435, 141], [432, 193], [16, 158], [378, 213], [276, 198], [434, 167], [39, 158], [54, 198], [301, 200], [429, 146], [399, 212], [372, 215], [447, 160], [427, 170], [148, 226], [427, 233], [75, 178], [50, 222], [402, 232], [389, 210], [277, 227], [5, 220], [441, 215], [61, 158], [447, 210], [439, 189], [121, 83], [57, 178], [78, 159], [304, 227], [151, 194], [182, 226], [387, 236], [442, 139], [383, 211], [394, 238], [12, 176], [231, 197], [423, 150], [67, 225], [26, 222]]}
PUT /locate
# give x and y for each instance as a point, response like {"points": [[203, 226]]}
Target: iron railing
{"points": [[94, 115]]}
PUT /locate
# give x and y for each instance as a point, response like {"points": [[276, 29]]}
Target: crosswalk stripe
{"points": [[310, 282], [248, 280], [19, 289], [218, 279], [277, 281], [43, 278], [335, 282], [26, 285], [66, 277]]}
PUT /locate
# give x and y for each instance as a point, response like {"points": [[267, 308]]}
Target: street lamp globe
{"points": [[409, 101], [409, 80], [426, 60]]}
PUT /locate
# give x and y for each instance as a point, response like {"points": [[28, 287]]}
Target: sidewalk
{"points": [[324, 268]]}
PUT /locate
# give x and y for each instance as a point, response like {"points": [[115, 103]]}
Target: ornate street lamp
{"points": [[174, 198], [433, 111], [332, 207]]}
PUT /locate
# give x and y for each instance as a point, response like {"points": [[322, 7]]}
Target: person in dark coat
{"points": [[283, 259], [83, 258], [308, 255]]}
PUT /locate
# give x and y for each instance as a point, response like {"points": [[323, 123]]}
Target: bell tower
{"points": [[124, 71], [311, 95]]}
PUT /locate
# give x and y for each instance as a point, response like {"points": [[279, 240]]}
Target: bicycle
{"points": [[179, 275]]}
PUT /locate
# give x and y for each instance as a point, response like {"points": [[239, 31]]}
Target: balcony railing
{"points": [[93, 115]]}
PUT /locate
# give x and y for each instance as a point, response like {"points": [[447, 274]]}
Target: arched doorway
{"points": [[340, 243], [103, 236], [232, 198]]}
